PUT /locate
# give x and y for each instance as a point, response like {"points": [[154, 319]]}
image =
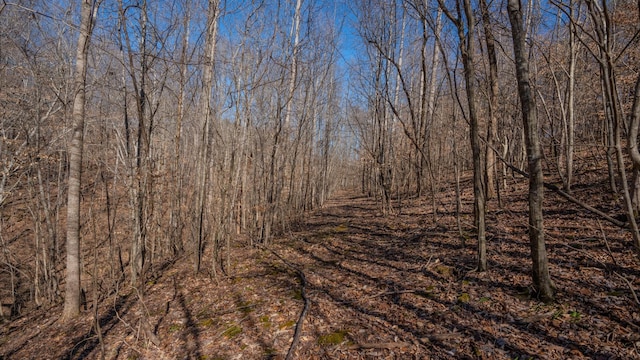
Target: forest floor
{"points": [[400, 286]]}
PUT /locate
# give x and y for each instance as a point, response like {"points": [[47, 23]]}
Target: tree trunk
{"points": [[540, 272], [72, 290], [176, 218], [141, 196], [478, 166], [570, 104], [490, 158], [205, 148], [603, 33], [468, 51], [633, 145], [466, 36]]}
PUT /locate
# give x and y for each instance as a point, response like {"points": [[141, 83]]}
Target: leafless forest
{"points": [[319, 179]]}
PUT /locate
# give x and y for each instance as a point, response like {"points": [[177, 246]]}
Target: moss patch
{"points": [[265, 321], [206, 322], [340, 228], [246, 307], [232, 331], [205, 313], [464, 298], [287, 324], [335, 338], [443, 270]]}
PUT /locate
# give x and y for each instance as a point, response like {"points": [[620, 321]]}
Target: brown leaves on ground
{"points": [[396, 287]]}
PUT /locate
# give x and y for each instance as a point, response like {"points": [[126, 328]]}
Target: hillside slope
{"points": [[400, 286]]}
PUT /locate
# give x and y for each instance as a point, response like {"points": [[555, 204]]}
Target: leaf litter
{"points": [[399, 286]]}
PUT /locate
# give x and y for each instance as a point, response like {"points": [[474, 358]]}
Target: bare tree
{"points": [[602, 28], [490, 158], [378, 30], [176, 216], [540, 271], [72, 289], [204, 150], [464, 21], [634, 124]]}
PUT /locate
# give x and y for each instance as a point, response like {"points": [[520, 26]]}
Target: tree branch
{"points": [[560, 192], [305, 309]]}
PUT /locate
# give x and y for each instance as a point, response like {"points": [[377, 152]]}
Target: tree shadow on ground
{"points": [[351, 253]]}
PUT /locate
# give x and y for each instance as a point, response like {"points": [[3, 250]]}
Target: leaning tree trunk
{"points": [[72, 290], [540, 272]]}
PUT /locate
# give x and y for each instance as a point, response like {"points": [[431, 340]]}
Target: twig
{"points": [[96, 318], [392, 293], [635, 297], [579, 250], [586, 254], [388, 345], [115, 311], [144, 322], [305, 309], [604, 237], [560, 192], [86, 339], [423, 266], [439, 337]]}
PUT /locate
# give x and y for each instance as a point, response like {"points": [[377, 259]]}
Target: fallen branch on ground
{"points": [[635, 297], [560, 192], [393, 293], [604, 237], [305, 309], [388, 345]]}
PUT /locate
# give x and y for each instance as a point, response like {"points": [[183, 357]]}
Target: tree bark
{"points": [[540, 271], [490, 159], [603, 35], [634, 124], [466, 33], [478, 165], [140, 196], [570, 104], [205, 148], [176, 217], [72, 290]]}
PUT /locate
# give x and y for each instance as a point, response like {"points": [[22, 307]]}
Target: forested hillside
{"points": [[339, 179]]}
